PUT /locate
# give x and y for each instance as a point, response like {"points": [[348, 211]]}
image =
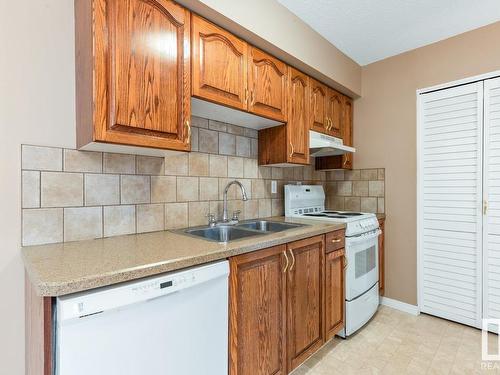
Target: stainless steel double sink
{"points": [[227, 233]]}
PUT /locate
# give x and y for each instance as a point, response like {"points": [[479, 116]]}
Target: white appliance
{"points": [[361, 249], [326, 145], [171, 324], [458, 201]]}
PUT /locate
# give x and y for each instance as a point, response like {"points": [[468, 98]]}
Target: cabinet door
{"points": [[381, 257], [305, 299], [319, 115], [347, 131], [334, 112], [267, 82], [257, 313], [142, 73], [298, 117], [334, 293], [219, 65]]}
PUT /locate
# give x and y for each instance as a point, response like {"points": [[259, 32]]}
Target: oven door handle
{"points": [[363, 238]]}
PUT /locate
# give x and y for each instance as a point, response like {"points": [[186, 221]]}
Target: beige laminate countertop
{"points": [[71, 267]]}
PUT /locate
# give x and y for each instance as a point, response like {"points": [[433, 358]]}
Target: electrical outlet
{"points": [[274, 187]]}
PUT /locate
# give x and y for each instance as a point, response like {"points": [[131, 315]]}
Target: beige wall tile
{"points": [[119, 220], [236, 205], [243, 146], [288, 173], [351, 175], [31, 189], [381, 174], [218, 166], [319, 175], [337, 175], [82, 223], [194, 139], [135, 189], [227, 144], [216, 125], [344, 188], [234, 166], [381, 205], [336, 203], [264, 207], [277, 207], [41, 158], [176, 215], [308, 173], [187, 189], [42, 226], [330, 188], [250, 168], [369, 174], [208, 141], [252, 133], [247, 184], [251, 209], [216, 209], [254, 148], [150, 217], [163, 189], [360, 188], [177, 164], [119, 163], [102, 189], [199, 122], [233, 129], [198, 212], [209, 188], [368, 204], [198, 164], [376, 188], [264, 172], [352, 203], [276, 173], [259, 189], [60, 189], [82, 161], [151, 165], [298, 173]]}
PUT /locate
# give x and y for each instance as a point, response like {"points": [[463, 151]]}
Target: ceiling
{"points": [[371, 30]]}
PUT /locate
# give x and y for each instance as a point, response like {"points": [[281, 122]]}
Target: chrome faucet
{"points": [[224, 209]]}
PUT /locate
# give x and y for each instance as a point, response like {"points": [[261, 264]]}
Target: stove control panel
{"points": [[362, 226]]}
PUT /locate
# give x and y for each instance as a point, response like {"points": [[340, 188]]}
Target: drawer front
{"points": [[334, 240]]}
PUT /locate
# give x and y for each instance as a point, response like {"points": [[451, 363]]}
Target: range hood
{"points": [[326, 145]]}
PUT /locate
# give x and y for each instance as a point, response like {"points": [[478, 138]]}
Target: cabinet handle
{"points": [[329, 124], [291, 149], [188, 126], [252, 95], [345, 161], [293, 260], [286, 257], [345, 262], [246, 96], [336, 240]]}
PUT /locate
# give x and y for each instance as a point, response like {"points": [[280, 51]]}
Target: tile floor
{"points": [[398, 343]]}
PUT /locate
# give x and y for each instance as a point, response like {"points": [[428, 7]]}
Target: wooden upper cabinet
{"points": [[298, 117], [334, 292], [257, 317], [346, 131], [133, 73], [219, 65], [267, 85], [319, 93], [305, 299], [334, 103]]}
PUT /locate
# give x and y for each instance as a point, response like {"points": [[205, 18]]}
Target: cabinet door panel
{"points": [[142, 73], [305, 299], [219, 65], [267, 82], [319, 115], [334, 112], [257, 313], [334, 293], [298, 117]]}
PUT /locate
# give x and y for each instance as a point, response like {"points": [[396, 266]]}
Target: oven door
{"points": [[362, 263]]}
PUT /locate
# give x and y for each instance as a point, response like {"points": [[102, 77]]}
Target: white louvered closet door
{"points": [[491, 196], [451, 203]]}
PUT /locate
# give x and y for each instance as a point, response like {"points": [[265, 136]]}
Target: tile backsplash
{"points": [[70, 195]]}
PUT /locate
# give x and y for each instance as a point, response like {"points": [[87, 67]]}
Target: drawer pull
{"points": [[293, 260], [286, 257], [337, 240]]}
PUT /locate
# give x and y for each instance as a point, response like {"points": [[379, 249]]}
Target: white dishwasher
{"points": [[173, 324]]}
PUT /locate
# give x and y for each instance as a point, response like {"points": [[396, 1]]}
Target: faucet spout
{"points": [[226, 189]]}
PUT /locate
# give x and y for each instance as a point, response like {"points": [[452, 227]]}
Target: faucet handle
{"points": [[211, 219], [235, 215]]}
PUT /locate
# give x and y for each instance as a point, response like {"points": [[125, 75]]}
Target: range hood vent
{"points": [[326, 145]]}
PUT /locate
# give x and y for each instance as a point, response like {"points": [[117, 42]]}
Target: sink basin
{"points": [[268, 226], [221, 233]]}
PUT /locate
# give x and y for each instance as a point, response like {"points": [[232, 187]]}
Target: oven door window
{"points": [[365, 261]]}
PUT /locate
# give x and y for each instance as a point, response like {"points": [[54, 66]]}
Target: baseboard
{"points": [[401, 306]]}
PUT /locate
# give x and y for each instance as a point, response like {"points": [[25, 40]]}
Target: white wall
{"points": [[37, 107]]}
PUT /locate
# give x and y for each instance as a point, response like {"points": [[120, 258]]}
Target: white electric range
{"points": [[361, 248]]}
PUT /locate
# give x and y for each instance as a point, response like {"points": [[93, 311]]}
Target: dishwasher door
{"points": [[172, 324]]}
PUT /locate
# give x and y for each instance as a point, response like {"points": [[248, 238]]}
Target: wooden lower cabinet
{"points": [[334, 293], [257, 318], [381, 257], [304, 299]]}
